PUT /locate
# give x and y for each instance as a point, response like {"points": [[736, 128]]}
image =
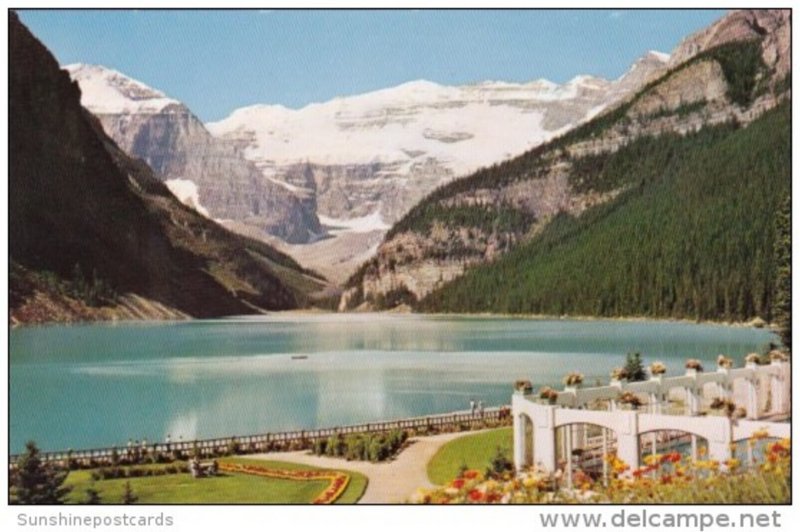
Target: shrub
{"points": [[92, 496], [501, 463], [634, 368], [362, 446], [233, 447], [320, 446]]}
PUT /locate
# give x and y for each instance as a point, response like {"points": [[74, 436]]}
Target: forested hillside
{"points": [[663, 205], [692, 237]]}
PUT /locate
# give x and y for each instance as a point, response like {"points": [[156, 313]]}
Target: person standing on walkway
{"points": [[480, 408], [472, 407]]}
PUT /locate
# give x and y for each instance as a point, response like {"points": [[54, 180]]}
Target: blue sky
{"points": [[217, 61]]}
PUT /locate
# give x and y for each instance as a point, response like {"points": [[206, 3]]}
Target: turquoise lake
{"points": [[81, 386]]}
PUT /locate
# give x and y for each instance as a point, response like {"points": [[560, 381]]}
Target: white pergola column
{"points": [[724, 386], [544, 438], [692, 400], [751, 385], [568, 438], [605, 454], [777, 388], [519, 442], [628, 440], [719, 447]]}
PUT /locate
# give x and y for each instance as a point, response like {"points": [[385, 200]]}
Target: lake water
{"points": [[93, 385]]}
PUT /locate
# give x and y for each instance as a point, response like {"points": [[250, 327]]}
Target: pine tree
{"points": [[634, 368], [92, 496], [35, 482], [783, 285], [129, 497]]}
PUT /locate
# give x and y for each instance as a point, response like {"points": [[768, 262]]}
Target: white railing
{"points": [[764, 390]]}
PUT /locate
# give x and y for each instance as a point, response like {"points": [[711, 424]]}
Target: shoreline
{"points": [[755, 323], [539, 317]]}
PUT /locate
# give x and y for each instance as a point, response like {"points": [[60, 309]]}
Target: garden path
{"points": [[389, 482]]}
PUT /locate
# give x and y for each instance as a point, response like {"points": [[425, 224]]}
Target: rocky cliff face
{"points": [[771, 25], [374, 156], [380, 152], [206, 173], [473, 220], [89, 223]]}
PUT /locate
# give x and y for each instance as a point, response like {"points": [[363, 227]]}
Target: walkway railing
{"points": [[265, 442], [764, 389]]}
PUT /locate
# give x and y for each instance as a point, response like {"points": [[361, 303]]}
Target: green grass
{"points": [[474, 451], [224, 489]]}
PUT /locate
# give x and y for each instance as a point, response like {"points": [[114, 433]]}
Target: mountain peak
{"points": [[419, 84], [107, 91], [655, 54], [773, 25]]}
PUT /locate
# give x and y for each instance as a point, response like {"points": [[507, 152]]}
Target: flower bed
{"points": [[338, 480], [665, 478]]}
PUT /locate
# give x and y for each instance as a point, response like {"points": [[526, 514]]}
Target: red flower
{"points": [[493, 497], [475, 496], [471, 474], [458, 483], [673, 457], [777, 448]]}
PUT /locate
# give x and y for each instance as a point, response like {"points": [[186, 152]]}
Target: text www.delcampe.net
{"points": [[645, 518]]}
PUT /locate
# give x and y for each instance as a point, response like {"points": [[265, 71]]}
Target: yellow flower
{"points": [[529, 482], [733, 463], [652, 459]]}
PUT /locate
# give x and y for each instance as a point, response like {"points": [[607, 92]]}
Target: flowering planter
{"points": [[338, 481], [777, 357], [523, 387]]}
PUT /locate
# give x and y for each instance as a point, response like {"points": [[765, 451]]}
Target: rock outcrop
{"points": [[771, 25], [92, 224], [176, 145]]}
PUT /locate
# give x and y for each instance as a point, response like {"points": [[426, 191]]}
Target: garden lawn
{"points": [[475, 451], [227, 488]]}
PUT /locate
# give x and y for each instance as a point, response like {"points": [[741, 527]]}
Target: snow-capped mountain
{"points": [[111, 92], [386, 149], [206, 173], [357, 163]]}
